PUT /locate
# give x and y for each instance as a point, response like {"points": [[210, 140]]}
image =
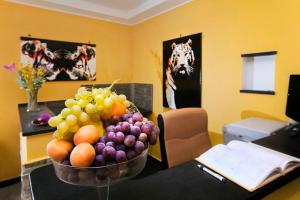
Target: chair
{"points": [[183, 135]]}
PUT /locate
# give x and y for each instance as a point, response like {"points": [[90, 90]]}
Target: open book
{"points": [[249, 165]]}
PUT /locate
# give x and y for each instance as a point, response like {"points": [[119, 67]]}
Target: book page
{"points": [[264, 154], [237, 166]]}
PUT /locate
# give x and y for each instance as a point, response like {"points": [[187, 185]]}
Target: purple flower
{"points": [[10, 67]]}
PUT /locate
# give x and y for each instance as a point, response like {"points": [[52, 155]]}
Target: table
{"points": [[184, 181]]}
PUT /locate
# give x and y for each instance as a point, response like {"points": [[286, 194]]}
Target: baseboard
{"points": [[10, 182]]}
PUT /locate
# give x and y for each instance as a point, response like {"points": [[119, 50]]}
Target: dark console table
{"points": [[184, 181]]}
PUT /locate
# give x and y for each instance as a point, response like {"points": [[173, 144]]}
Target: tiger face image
{"points": [[182, 58]]}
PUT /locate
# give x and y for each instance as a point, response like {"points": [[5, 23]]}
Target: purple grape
{"points": [[110, 136], [110, 128], [109, 153], [120, 156], [130, 120], [102, 139], [66, 162], [44, 117], [138, 124], [150, 123], [126, 116], [115, 119], [152, 138], [139, 147], [137, 117], [110, 143], [131, 154], [129, 140], [118, 128], [99, 147], [156, 130], [119, 138], [106, 123], [146, 128], [102, 173], [73, 177], [121, 147], [99, 161], [125, 127], [143, 137], [135, 130]]}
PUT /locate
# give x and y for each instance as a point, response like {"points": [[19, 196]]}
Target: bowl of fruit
{"points": [[99, 140]]}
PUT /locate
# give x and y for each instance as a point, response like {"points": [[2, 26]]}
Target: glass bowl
{"points": [[101, 176]]}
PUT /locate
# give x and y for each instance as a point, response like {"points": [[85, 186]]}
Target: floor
{"points": [[11, 192]]}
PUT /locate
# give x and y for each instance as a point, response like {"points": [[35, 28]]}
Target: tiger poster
{"points": [[182, 72], [64, 61]]}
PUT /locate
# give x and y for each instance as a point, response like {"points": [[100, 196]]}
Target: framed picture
{"points": [[64, 61], [182, 72]]}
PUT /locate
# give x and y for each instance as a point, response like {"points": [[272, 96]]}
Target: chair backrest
{"points": [[183, 135]]}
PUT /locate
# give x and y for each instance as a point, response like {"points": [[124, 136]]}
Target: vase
{"points": [[32, 104]]}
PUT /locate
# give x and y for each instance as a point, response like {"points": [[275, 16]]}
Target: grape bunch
{"points": [[126, 136], [88, 107]]}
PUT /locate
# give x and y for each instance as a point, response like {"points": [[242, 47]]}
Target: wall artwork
{"points": [[64, 61], [182, 72]]}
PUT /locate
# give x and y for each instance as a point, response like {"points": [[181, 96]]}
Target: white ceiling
{"points": [[128, 12]]}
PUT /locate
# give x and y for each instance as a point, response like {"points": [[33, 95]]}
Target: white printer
{"points": [[251, 129]]}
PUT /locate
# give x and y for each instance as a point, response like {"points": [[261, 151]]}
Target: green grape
{"points": [[106, 92], [70, 102], [122, 97], [95, 117], [99, 98], [95, 92], [74, 128], [90, 108], [68, 136], [71, 120], [82, 103], [85, 94], [108, 102], [62, 127], [114, 97], [57, 135], [65, 112], [107, 110], [99, 107], [53, 121], [81, 89], [127, 103], [84, 117], [76, 110]]}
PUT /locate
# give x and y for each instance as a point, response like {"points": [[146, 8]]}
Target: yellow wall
{"points": [[113, 61], [230, 28]]}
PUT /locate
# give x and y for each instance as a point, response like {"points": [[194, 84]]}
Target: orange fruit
{"points": [[87, 133], [82, 155], [59, 149], [118, 108]]}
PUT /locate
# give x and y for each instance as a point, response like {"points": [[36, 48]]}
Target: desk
{"points": [[184, 181]]}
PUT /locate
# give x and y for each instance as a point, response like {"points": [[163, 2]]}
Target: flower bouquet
{"points": [[29, 79]]}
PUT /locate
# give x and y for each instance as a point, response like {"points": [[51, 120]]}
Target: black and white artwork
{"points": [[182, 72], [64, 61]]}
